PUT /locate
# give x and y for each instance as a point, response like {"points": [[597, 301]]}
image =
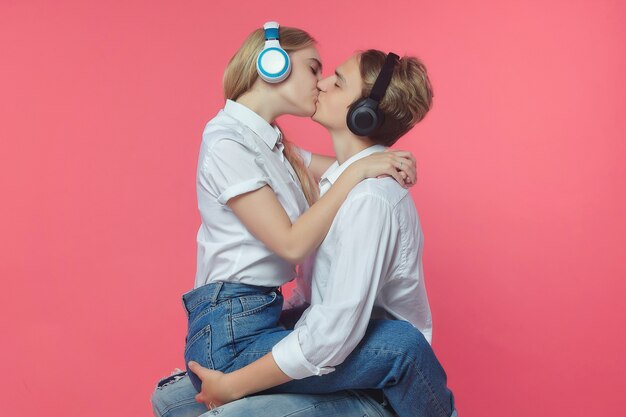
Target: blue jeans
{"points": [[231, 325], [174, 397]]}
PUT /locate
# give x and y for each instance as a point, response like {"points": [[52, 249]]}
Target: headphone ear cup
{"points": [[363, 117], [381, 118], [350, 114], [273, 64]]}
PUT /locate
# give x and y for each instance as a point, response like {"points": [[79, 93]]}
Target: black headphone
{"points": [[364, 117]]}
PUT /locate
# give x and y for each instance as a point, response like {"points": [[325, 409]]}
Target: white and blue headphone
{"points": [[273, 63]]}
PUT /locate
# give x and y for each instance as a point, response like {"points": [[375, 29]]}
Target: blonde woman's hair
{"points": [[407, 99], [241, 74]]}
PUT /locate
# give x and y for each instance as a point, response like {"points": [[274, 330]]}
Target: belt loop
{"points": [[184, 305], [218, 287], [182, 299]]}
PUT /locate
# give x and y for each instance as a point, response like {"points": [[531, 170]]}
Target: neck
{"points": [[260, 102], [346, 144]]}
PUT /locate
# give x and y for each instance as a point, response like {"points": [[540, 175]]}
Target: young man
{"points": [[369, 321]]}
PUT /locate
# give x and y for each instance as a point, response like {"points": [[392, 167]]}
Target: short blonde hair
{"points": [[407, 99]]}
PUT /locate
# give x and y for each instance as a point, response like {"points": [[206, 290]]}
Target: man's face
{"points": [[337, 92]]}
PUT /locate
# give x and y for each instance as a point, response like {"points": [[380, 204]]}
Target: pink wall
{"points": [[522, 168]]}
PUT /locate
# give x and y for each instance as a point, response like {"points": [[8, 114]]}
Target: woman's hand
{"points": [[216, 390], [397, 164]]}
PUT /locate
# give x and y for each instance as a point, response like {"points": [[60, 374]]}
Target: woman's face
{"points": [[299, 90], [337, 92]]}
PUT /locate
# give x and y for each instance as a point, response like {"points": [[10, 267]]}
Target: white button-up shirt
{"points": [[241, 152], [368, 266]]}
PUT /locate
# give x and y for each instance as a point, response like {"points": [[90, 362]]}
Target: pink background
{"points": [[522, 168]]}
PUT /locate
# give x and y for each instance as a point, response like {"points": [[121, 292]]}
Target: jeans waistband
{"points": [[217, 291]]}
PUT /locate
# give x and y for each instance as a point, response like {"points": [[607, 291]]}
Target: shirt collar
{"points": [[270, 134], [335, 170]]}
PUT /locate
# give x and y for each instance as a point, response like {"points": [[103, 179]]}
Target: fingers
{"points": [[404, 154], [404, 165], [407, 166], [407, 160], [199, 370], [396, 175], [397, 164], [195, 367]]}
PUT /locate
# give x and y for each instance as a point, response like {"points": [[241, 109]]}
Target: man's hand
{"points": [[215, 390]]}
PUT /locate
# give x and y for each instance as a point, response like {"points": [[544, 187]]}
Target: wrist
{"points": [[356, 171], [233, 391]]}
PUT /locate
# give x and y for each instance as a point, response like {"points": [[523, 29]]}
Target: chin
{"points": [[307, 111], [318, 120], [316, 114]]}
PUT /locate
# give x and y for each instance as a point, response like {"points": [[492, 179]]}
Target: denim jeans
{"points": [[231, 325], [174, 397]]}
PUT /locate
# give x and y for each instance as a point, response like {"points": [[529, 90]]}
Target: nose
{"points": [[321, 84]]}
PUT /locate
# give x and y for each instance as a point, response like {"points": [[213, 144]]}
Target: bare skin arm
{"points": [[319, 164], [263, 215], [219, 388]]}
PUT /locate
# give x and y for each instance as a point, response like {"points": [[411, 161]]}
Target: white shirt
{"points": [[241, 152], [368, 266]]}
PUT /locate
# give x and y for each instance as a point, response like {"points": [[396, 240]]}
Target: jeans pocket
{"points": [[253, 316], [251, 304], [198, 347]]}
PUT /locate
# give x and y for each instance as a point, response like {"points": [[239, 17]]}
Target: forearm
{"points": [[319, 164], [258, 376], [311, 228]]}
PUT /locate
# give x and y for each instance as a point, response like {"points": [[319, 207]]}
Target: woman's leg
{"points": [[175, 398], [347, 403]]}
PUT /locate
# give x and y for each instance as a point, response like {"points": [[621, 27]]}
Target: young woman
{"points": [[258, 202]]}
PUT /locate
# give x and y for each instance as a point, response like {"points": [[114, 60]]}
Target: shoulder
{"points": [[386, 191], [225, 132]]}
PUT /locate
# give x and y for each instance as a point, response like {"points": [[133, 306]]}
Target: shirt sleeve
{"points": [[306, 155], [230, 169], [363, 258]]}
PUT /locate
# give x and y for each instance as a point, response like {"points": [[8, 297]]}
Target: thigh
{"points": [[346, 403], [375, 362], [221, 337]]}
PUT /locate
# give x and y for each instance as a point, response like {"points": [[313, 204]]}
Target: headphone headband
{"points": [[384, 77], [271, 30]]}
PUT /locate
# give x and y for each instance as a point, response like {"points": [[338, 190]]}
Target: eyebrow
{"points": [[318, 62], [341, 77]]}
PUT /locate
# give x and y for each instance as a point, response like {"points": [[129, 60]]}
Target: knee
{"points": [[410, 341], [160, 395], [174, 396]]}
